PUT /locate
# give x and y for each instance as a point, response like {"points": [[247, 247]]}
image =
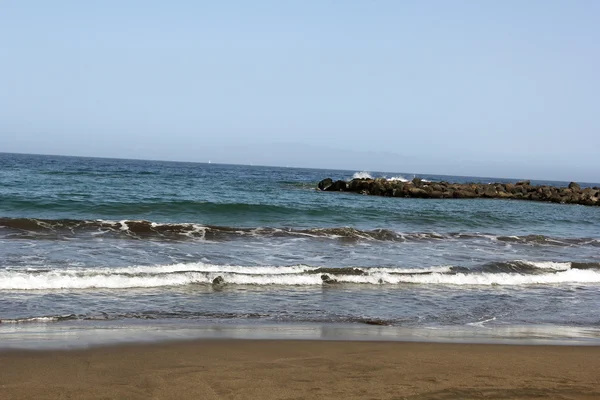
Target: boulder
{"points": [[354, 185], [218, 281], [490, 192], [574, 186], [337, 186], [325, 183], [575, 198], [416, 192], [327, 279], [377, 188], [398, 185], [523, 183], [505, 195], [555, 198], [464, 194]]}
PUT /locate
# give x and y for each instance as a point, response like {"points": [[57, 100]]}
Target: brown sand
{"points": [[246, 369]]}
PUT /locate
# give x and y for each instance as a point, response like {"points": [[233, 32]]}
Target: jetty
{"points": [[419, 188]]}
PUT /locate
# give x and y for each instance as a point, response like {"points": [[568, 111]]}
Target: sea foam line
{"points": [[299, 275]]}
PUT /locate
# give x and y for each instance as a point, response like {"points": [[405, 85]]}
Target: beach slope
{"points": [[246, 369]]}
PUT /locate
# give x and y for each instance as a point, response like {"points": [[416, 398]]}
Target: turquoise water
{"points": [[89, 244]]}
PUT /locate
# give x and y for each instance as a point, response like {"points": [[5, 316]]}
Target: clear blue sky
{"points": [[504, 88]]}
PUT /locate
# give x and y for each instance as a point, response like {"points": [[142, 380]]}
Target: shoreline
{"points": [[73, 335], [292, 369]]}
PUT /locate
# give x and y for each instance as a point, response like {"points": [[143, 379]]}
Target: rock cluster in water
{"points": [[523, 190]]}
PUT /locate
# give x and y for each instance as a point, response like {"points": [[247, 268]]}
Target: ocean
{"points": [[96, 251]]}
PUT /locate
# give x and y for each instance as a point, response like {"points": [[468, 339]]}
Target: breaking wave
{"points": [[31, 228], [397, 179], [362, 175], [511, 273]]}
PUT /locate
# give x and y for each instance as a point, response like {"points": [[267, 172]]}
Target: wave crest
{"points": [[362, 175], [501, 273], [31, 228]]}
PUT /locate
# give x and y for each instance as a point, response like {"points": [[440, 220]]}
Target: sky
{"points": [[502, 89]]}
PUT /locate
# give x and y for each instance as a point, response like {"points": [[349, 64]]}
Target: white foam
{"points": [[32, 319], [557, 266], [279, 279], [503, 279], [58, 280], [480, 324], [439, 269], [124, 226], [362, 175], [200, 273], [397, 179]]}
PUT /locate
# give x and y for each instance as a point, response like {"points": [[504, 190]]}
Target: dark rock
{"points": [[337, 186], [489, 192], [325, 183], [416, 192], [327, 279], [522, 190], [354, 185], [464, 194], [555, 198], [377, 188], [505, 195], [218, 281], [398, 186], [587, 202]]}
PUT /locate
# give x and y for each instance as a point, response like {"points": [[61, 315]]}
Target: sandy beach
{"points": [[247, 369]]}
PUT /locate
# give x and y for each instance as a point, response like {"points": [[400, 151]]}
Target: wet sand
{"points": [[282, 369]]}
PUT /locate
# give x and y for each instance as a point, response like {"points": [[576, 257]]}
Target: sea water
{"points": [[102, 250]]}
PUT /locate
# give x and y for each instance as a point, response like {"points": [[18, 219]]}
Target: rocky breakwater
{"points": [[523, 190]]}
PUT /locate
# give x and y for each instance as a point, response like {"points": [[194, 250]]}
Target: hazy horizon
{"points": [[345, 168], [497, 89]]}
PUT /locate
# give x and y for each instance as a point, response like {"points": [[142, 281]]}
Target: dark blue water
{"points": [[90, 244]]}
